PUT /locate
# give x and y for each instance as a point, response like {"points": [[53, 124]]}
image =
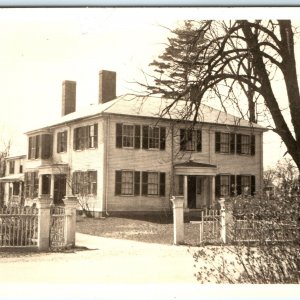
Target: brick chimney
{"points": [[107, 86], [68, 104]]}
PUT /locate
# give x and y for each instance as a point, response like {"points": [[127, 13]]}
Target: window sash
{"points": [[246, 185], [224, 185], [128, 135], [224, 142], [127, 181], [153, 183], [245, 144], [154, 137]]}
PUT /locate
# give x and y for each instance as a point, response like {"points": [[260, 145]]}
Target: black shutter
{"points": [[145, 137], [86, 135], [46, 146], [199, 140], [232, 185], [162, 141], [239, 184], [252, 185], [232, 143], [252, 144], [218, 141], [29, 147], [180, 184], [58, 141], [162, 184], [119, 135], [65, 141], [96, 135], [182, 139], [136, 183], [238, 143], [37, 146], [144, 183], [218, 186], [118, 183], [137, 136], [75, 139]]}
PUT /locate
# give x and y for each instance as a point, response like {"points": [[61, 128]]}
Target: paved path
{"points": [[106, 261]]}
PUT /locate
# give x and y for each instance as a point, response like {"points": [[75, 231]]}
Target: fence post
{"points": [[178, 221], [70, 222], [43, 205], [223, 223]]}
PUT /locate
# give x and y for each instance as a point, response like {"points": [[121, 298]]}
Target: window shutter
{"points": [[119, 135], [180, 184], [46, 146], [37, 146], [162, 140], [58, 142], [66, 141], [232, 143], [252, 144], [137, 180], [29, 147], [182, 139], [218, 186], [252, 185], [96, 135], [86, 134], [232, 185], [118, 183], [238, 143], [199, 140], [144, 183], [145, 137], [162, 184], [239, 184], [137, 136], [218, 141], [75, 139], [26, 184]]}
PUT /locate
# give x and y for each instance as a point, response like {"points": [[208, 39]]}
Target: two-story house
{"points": [[13, 181], [120, 155]]}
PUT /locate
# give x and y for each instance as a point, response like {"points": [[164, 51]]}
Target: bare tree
{"points": [[249, 66]]}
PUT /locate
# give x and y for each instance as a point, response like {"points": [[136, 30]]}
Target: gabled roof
{"points": [[152, 107], [194, 164]]}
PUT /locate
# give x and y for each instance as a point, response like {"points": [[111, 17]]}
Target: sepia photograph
{"points": [[149, 153]]}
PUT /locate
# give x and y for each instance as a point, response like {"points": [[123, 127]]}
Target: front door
{"points": [[191, 191], [59, 188]]}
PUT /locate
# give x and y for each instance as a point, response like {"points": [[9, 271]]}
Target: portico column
{"points": [[212, 190], [52, 187], [185, 191]]}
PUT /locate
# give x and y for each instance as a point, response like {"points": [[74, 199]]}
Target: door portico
{"points": [[198, 184]]}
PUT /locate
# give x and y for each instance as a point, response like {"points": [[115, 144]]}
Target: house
{"points": [[13, 181], [120, 155]]}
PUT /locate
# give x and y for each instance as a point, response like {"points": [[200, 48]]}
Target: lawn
{"points": [[147, 229]]}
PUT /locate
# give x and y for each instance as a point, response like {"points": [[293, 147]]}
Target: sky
{"points": [[42, 47]]}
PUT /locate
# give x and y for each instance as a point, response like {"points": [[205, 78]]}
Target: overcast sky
{"points": [[42, 47]]}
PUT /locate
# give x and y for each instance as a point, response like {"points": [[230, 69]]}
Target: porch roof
{"points": [[195, 168], [12, 178]]}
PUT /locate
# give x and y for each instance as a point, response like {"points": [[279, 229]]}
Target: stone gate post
{"points": [[223, 222], [70, 222], [43, 205], [178, 219]]}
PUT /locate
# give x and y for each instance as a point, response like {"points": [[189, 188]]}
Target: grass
{"points": [[149, 229]]}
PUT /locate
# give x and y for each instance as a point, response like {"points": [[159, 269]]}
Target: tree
{"points": [[238, 62], [4, 152]]}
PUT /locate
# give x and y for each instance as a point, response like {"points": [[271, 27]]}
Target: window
{"points": [[225, 185], [40, 146], [153, 183], [245, 144], [86, 137], [127, 182], [225, 142], [12, 167], [62, 138], [46, 182], [21, 169], [84, 183], [31, 184], [129, 136], [190, 140], [245, 184]]}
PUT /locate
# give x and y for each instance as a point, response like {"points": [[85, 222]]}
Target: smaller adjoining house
{"points": [[13, 181]]}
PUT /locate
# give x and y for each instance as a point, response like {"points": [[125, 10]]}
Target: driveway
{"points": [[106, 261]]}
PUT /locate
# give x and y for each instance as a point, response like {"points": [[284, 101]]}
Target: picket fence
{"points": [[43, 228]]}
